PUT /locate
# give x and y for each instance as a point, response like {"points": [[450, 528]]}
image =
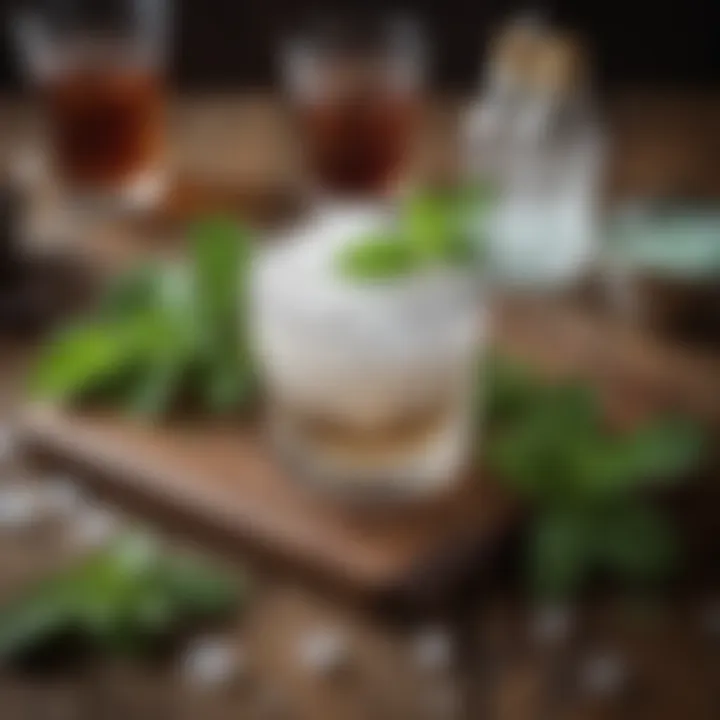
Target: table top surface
{"points": [[662, 145]]}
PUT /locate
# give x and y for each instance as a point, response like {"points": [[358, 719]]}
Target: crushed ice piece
{"points": [[28, 168], [94, 528], [19, 508], [444, 702], [710, 619], [62, 496], [551, 624], [271, 704], [432, 650], [212, 661], [323, 651], [8, 443], [604, 675]]}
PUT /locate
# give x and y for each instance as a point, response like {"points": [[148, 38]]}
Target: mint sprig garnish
{"points": [[432, 229]]}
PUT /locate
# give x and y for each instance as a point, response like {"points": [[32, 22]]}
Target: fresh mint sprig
{"points": [[587, 486], [163, 334], [432, 229], [125, 598]]}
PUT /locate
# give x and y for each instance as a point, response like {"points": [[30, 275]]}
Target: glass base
{"points": [[372, 473]]}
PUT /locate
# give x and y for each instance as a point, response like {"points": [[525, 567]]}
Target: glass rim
{"points": [[40, 38], [392, 35]]}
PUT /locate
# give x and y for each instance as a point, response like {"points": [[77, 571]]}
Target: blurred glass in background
{"points": [[535, 136], [98, 69], [356, 85]]}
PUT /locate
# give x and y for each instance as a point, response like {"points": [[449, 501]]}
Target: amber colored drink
{"points": [[106, 125], [360, 144]]}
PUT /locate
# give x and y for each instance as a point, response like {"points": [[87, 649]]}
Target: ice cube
{"points": [[433, 650], [213, 661], [323, 651], [19, 508]]}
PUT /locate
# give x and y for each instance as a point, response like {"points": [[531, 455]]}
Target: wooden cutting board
{"points": [[222, 480]]}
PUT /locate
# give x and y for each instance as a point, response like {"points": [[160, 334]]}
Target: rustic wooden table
{"points": [[672, 657]]}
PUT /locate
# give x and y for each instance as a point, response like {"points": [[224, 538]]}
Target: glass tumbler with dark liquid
{"points": [[356, 93], [98, 68]]}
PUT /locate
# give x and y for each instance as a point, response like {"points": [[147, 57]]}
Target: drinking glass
{"points": [[356, 88], [371, 386], [98, 69]]}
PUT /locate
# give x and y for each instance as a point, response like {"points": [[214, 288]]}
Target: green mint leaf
{"points": [[432, 229], [438, 228], [85, 357], [33, 621], [220, 258], [637, 543], [657, 453], [157, 385], [666, 448], [201, 589], [544, 448], [222, 255], [133, 292], [506, 390], [157, 388], [120, 599], [230, 383], [561, 553], [377, 257], [428, 223]]}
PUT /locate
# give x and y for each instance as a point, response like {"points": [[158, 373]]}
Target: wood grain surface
{"points": [[662, 144], [223, 477]]}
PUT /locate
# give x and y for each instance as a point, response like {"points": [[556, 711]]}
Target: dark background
{"points": [[230, 43]]}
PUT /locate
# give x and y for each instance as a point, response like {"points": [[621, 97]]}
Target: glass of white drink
{"points": [[370, 383]]}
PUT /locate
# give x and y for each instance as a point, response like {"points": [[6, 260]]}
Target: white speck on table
{"points": [[93, 528], [443, 702], [62, 496], [604, 674], [8, 443], [710, 619], [323, 651], [551, 624], [432, 650], [20, 507], [213, 661]]}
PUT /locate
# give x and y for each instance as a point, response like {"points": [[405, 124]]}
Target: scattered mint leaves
{"points": [[559, 551], [221, 267], [131, 292], [88, 355], [123, 599], [163, 335], [587, 485]]}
